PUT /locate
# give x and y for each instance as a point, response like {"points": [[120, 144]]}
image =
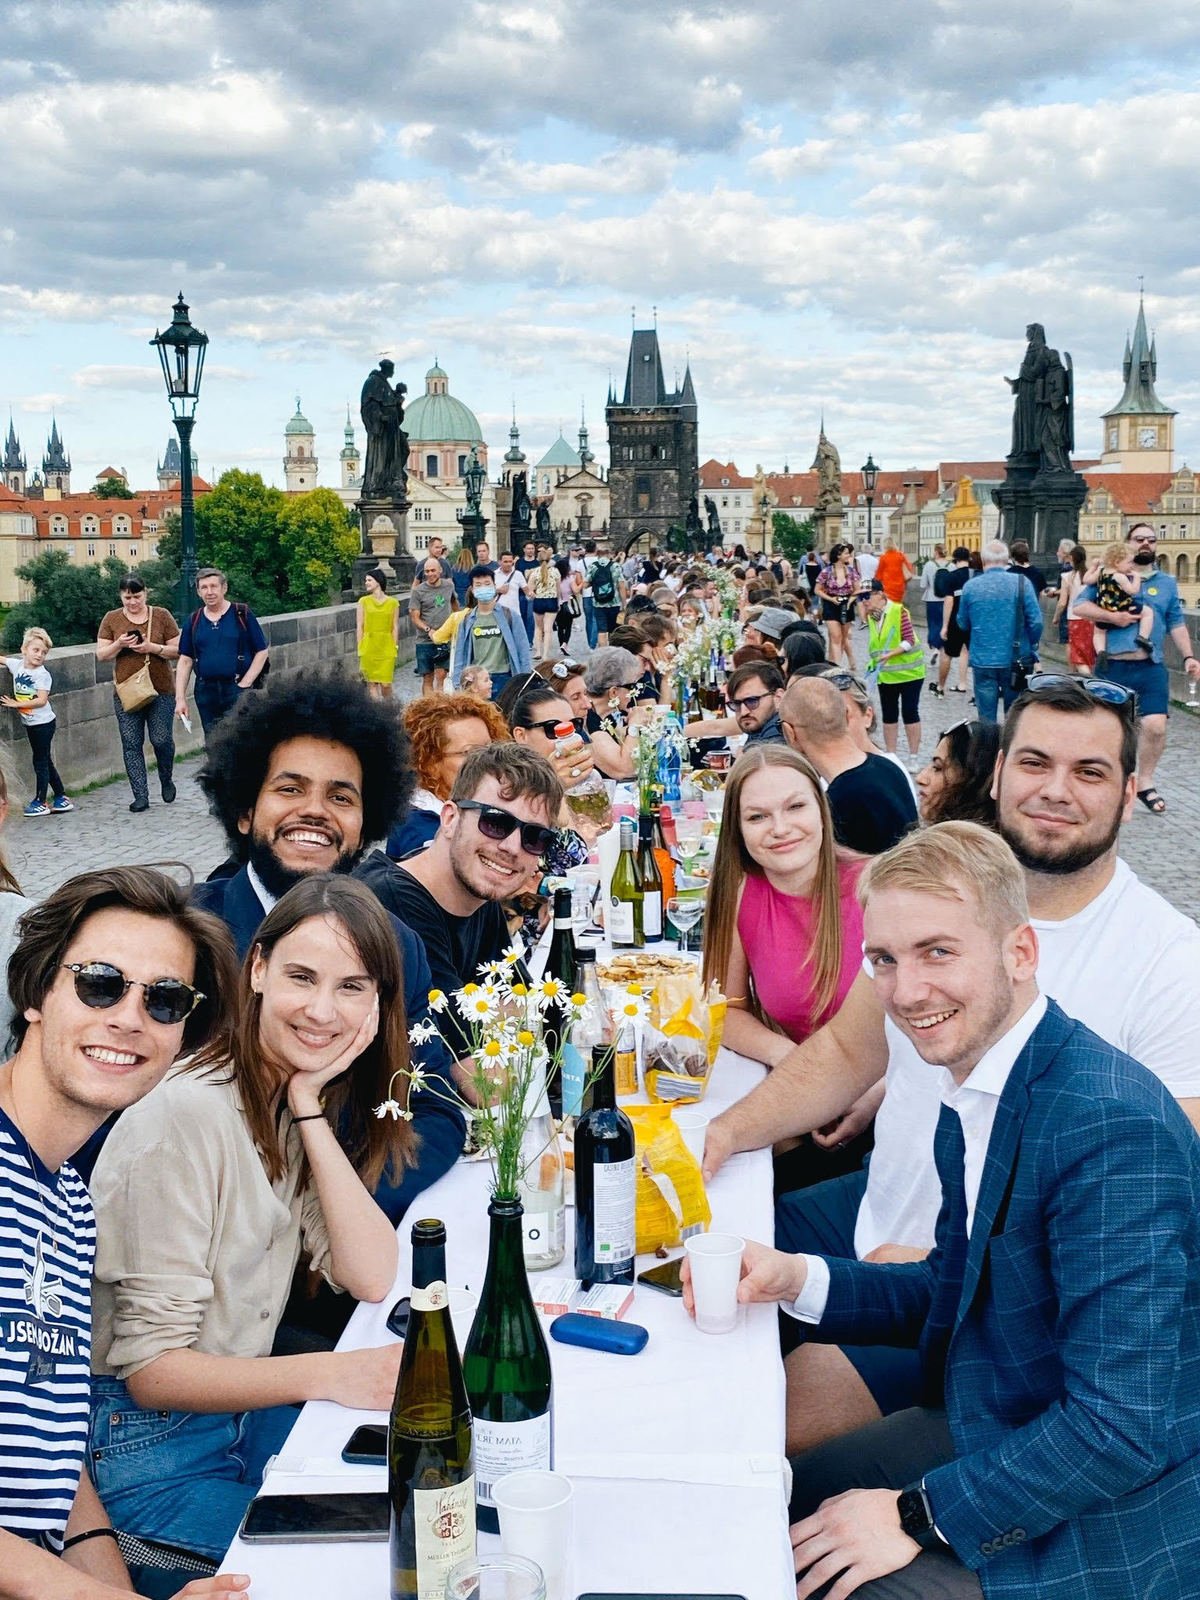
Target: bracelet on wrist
{"points": [[312, 1116], [92, 1533]]}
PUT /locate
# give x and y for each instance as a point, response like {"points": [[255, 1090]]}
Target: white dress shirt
{"points": [[975, 1102]]}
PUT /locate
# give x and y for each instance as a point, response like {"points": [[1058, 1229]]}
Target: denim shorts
{"points": [[182, 1478], [430, 656]]}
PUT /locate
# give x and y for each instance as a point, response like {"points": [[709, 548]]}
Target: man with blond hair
{"points": [[1055, 1448]]}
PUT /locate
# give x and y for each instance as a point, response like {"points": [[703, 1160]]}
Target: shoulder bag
{"points": [[137, 690], [1022, 665]]}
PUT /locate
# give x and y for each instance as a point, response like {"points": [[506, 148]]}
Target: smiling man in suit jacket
{"points": [[1057, 1449]]}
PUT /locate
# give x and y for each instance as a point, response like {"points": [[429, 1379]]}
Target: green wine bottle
{"points": [[507, 1368], [431, 1465], [625, 896]]}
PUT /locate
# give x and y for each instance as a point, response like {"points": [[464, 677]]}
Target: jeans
{"points": [[45, 773], [991, 685], [182, 1478], [933, 622], [214, 697], [157, 718], [590, 623]]}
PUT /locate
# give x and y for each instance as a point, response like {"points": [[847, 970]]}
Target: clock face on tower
{"points": [[1147, 438]]}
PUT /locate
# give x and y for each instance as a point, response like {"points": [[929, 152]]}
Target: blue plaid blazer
{"points": [[1064, 1335]]}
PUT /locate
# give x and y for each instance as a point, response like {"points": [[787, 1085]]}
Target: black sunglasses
{"points": [[101, 986], [551, 723], [1108, 694], [749, 702], [496, 823]]}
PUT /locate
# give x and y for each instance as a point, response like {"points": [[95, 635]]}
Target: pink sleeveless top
{"points": [[776, 931]]}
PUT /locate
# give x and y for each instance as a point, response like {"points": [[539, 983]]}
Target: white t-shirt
{"points": [[28, 683], [510, 599], [867, 562], [1127, 966]]}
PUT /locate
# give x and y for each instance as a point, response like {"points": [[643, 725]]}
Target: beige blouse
{"points": [[196, 1247]]}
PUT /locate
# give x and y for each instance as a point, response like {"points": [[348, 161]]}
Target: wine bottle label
{"points": [[431, 1298], [574, 1078], [544, 1233], [445, 1534], [620, 929], [625, 1073], [614, 1187], [652, 923], [504, 1447]]}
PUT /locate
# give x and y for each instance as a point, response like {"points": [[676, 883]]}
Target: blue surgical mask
{"points": [[485, 592]]}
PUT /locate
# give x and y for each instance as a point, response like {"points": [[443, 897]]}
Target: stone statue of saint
{"points": [[1025, 441], [522, 511], [1054, 413], [543, 521], [693, 524], [385, 470], [714, 520], [827, 464]]}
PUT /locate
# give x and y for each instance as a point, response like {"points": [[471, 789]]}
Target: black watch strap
{"points": [[916, 1517]]}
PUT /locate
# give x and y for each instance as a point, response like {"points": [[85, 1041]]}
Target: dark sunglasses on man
{"points": [[496, 823], [101, 986], [750, 702]]}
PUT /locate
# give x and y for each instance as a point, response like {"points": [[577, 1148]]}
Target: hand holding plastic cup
{"points": [[536, 1511], [716, 1263]]}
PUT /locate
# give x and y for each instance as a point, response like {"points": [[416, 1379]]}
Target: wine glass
{"points": [[685, 912], [689, 837]]}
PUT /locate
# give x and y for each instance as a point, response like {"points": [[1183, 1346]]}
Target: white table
{"points": [[676, 1454]]}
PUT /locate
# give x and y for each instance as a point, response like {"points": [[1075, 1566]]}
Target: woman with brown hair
{"points": [[443, 729], [208, 1193], [784, 930], [956, 786]]}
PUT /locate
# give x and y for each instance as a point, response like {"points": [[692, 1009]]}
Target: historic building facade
{"points": [[653, 449]]}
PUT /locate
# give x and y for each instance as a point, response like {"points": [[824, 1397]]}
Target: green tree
{"points": [[794, 538], [318, 541], [161, 573], [68, 600], [112, 489], [237, 529]]}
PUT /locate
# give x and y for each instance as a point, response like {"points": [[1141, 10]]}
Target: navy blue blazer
{"points": [[441, 1126], [1065, 1334]]}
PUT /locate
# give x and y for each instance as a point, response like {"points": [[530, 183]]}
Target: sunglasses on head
{"points": [[100, 985], [496, 823], [564, 668], [1099, 689]]}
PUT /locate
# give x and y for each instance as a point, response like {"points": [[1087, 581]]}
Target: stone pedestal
{"points": [[828, 529], [1040, 507], [385, 542]]}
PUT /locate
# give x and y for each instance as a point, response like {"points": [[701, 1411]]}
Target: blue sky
{"points": [[851, 209]]}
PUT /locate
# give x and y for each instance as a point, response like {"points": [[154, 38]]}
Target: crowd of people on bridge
{"points": [[980, 1030]]}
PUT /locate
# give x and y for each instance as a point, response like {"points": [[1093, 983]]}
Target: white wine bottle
{"points": [[625, 896], [652, 881], [431, 1466]]}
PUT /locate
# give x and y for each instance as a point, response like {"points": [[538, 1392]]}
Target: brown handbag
{"points": [[138, 689]]}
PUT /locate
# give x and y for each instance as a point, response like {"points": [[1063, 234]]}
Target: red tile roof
{"points": [[713, 475], [1135, 493]]}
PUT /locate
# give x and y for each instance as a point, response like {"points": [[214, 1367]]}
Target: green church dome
{"points": [[299, 423], [436, 417]]}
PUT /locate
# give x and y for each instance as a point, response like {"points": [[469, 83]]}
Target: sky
{"points": [[843, 210]]}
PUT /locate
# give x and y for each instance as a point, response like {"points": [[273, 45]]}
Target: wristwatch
{"points": [[916, 1517]]}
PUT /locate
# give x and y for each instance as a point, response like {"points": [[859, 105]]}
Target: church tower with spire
{"points": [[349, 457], [1139, 431], [15, 466], [653, 449], [56, 463], [300, 454]]}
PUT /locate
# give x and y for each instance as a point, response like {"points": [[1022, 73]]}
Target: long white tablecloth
{"points": [[676, 1454]]}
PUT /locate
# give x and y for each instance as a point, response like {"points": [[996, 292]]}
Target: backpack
{"points": [[604, 588], [241, 612]]}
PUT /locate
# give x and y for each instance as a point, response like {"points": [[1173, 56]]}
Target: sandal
{"points": [[1152, 801]]}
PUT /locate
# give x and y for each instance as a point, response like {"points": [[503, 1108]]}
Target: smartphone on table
{"points": [[665, 1278], [367, 1446], [314, 1518]]}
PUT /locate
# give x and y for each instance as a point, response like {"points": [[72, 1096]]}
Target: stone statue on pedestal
{"points": [[1055, 415], [827, 464], [1025, 387], [1041, 496], [522, 511], [385, 469], [714, 519]]}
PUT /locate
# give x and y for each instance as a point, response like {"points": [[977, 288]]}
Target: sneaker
{"points": [[61, 803], [169, 792], [37, 808]]}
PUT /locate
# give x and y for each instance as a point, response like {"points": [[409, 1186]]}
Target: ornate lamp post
{"points": [[181, 349], [870, 472], [474, 482]]}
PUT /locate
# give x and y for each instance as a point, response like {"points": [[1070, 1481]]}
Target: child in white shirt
{"points": [[31, 697]]}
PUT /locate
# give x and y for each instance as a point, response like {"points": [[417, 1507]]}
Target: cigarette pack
{"points": [[608, 1300], [553, 1296]]}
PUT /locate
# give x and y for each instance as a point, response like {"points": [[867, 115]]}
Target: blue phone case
{"points": [[597, 1333]]}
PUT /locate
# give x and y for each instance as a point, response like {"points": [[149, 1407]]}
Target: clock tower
{"points": [[1139, 431]]}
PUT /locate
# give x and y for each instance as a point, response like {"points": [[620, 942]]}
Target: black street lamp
{"points": [[870, 472], [181, 350], [764, 506], [474, 481]]}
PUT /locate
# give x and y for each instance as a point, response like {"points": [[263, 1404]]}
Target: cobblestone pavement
{"points": [[1164, 851]]}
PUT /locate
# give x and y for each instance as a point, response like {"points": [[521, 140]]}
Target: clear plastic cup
{"points": [[495, 1578], [536, 1511]]}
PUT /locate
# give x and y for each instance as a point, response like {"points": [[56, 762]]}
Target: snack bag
{"points": [[671, 1202], [682, 1039]]}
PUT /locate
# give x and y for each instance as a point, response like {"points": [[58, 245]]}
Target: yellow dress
{"points": [[377, 648]]}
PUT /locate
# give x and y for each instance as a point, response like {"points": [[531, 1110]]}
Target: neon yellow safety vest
{"points": [[883, 634]]}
